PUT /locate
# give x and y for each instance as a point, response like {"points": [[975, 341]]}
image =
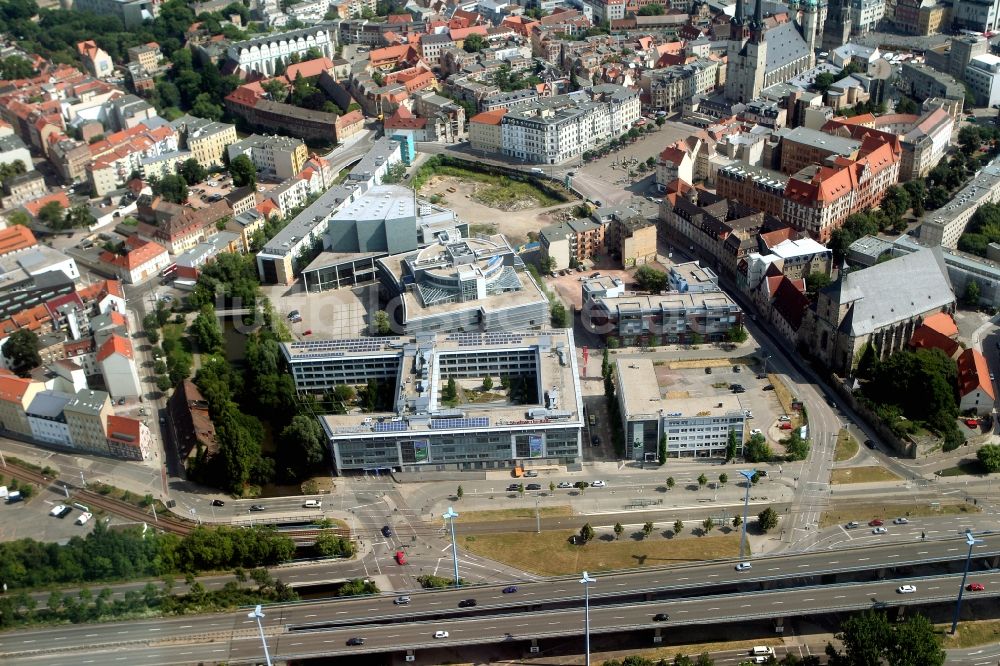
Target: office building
{"points": [[133, 13], [461, 284], [946, 225], [666, 318], [536, 422], [983, 76], [694, 427]]}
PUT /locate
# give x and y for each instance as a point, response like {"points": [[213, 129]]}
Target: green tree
{"points": [[16, 67], [737, 335], [560, 315], [702, 480], [816, 282], [723, 479], [19, 218], [670, 483], [707, 524], [732, 444], [276, 88], [661, 452], [460, 492], [450, 393], [989, 456], [737, 521], [647, 528], [474, 43], [652, 10], [78, 217], [619, 530], [916, 641], [303, 445], [51, 214], [21, 352], [192, 171], [173, 188], [382, 323], [868, 362], [487, 383], [205, 107], [972, 293], [678, 526], [865, 638], [163, 383], [329, 544], [651, 280], [767, 519], [586, 533], [757, 449], [243, 171], [206, 330], [796, 447]]}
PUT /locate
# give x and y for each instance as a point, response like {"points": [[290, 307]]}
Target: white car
{"points": [[743, 566], [598, 484], [880, 530], [84, 517], [313, 504], [748, 414], [440, 634], [906, 589], [57, 509], [756, 431], [900, 521], [564, 484], [784, 419]]}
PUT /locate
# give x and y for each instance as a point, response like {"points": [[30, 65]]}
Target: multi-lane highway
{"points": [[286, 640], [683, 581]]}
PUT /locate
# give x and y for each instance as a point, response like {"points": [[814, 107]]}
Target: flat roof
{"points": [[381, 202], [644, 394]]}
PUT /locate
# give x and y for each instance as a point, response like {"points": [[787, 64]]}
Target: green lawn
{"points": [[970, 634], [551, 553], [966, 467]]}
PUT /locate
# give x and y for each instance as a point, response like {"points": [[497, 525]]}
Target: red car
{"points": [[975, 587], [400, 557], [877, 522], [972, 423], [785, 425]]}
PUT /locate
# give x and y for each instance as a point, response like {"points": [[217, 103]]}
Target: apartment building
{"points": [[946, 225], [262, 54], [484, 131], [554, 129], [87, 420], [922, 82], [571, 242], [277, 157], [541, 427], [206, 140], [631, 239], [802, 147], [128, 438], [16, 394]]}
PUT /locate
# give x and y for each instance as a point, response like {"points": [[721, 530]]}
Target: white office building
{"points": [[983, 76]]}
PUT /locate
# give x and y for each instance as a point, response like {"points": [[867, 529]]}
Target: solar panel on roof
{"points": [[474, 422], [390, 426]]}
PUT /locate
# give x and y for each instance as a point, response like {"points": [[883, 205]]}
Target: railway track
{"points": [[164, 521]]}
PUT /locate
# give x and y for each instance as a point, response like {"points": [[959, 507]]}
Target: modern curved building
{"points": [[462, 284]]}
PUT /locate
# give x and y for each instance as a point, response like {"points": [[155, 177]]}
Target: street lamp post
{"points": [[257, 614], [586, 580], [450, 516], [538, 518], [972, 541], [747, 474]]}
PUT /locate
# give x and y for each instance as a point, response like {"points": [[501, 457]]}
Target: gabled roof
{"points": [[790, 302], [974, 374], [925, 337], [494, 117], [12, 387], [15, 238], [943, 323], [116, 344]]}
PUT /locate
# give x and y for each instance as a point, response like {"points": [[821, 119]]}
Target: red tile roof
{"points": [[34, 206], [15, 238], [116, 344], [308, 69], [494, 117], [140, 253], [973, 374], [12, 387], [943, 323], [926, 337], [124, 430]]}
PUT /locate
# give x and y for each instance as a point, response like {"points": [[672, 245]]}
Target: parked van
{"points": [[313, 504], [762, 651], [84, 517]]}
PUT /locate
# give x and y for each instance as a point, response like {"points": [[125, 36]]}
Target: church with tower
{"points": [[764, 51]]}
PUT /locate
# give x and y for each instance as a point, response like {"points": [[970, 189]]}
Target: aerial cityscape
{"points": [[554, 332]]}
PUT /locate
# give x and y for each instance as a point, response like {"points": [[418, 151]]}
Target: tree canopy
{"points": [[21, 352], [869, 639], [243, 171]]}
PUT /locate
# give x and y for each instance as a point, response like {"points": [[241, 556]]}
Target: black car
{"points": [[65, 511], [386, 531], [513, 488], [708, 371], [357, 640], [769, 387], [218, 503], [467, 603], [510, 589], [256, 507], [870, 444], [660, 617], [533, 486], [595, 440]]}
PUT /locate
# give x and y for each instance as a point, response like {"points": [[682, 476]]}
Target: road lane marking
{"points": [[839, 596]]}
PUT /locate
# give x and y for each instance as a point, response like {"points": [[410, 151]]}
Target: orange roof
{"points": [[493, 117], [98, 290], [116, 344], [461, 33], [12, 387], [925, 337], [31, 319], [267, 208], [349, 119], [15, 238], [140, 253], [974, 373], [124, 430], [34, 206], [943, 323], [308, 69]]}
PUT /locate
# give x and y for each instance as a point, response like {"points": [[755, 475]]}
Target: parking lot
{"points": [[338, 313], [31, 519]]}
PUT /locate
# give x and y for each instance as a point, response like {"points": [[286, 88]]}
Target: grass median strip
{"points": [[847, 446], [867, 474], [499, 515], [551, 553], [970, 634], [845, 512]]}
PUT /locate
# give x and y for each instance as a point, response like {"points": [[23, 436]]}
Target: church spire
{"points": [[739, 19], [758, 15]]}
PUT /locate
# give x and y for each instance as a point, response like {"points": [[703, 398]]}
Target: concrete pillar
{"points": [[534, 646], [779, 625], [881, 573], [410, 656], [657, 636], [899, 613], [994, 562]]}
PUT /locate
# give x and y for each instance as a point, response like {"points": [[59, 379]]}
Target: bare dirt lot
{"points": [[515, 225]]}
